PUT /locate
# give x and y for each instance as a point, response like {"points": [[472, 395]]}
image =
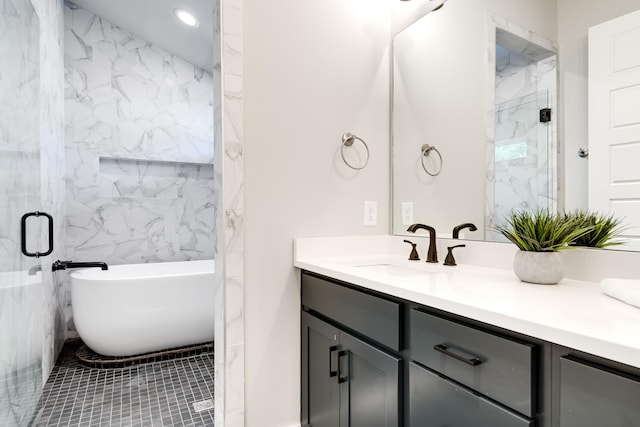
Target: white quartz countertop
{"points": [[573, 313]]}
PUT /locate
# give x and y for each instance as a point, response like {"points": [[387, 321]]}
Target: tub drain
{"points": [[203, 405]]}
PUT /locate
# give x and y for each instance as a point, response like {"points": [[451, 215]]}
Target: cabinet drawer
{"points": [[374, 317], [590, 396], [497, 367], [438, 402]]}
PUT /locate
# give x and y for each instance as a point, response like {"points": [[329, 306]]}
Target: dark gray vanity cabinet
{"points": [[374, 360], [593, 396], [347, 381]]}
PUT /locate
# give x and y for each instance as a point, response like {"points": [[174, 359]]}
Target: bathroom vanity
{"points": [[386, 342]]}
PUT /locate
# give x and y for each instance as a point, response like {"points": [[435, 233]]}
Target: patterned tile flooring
{"points": [[170, 393]]}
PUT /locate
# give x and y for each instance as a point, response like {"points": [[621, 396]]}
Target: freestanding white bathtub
{"points": [[140, 308]]}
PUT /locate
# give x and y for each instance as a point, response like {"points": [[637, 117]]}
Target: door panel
{"points": [[320, 395], [437, 402], [614, 120], [590, 396], [370, 396], [21, 333]]}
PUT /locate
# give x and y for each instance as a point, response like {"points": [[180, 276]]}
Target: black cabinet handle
{"points": [[473, 360], [23, 234], [332, 350], [341, 354]]}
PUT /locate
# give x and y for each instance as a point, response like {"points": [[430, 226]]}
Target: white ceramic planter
{"points": [[544, 268]]}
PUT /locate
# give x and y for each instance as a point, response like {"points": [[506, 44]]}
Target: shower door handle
{"points": [[23, 234]]}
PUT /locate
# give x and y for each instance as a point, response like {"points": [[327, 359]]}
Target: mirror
{"points": [[486, 118]]}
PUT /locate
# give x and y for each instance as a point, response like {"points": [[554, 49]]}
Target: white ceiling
{"points": [[155, 22]]}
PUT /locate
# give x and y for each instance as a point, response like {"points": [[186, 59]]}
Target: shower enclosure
{"points": [[522, 176], [522, 153], [21, 330]]}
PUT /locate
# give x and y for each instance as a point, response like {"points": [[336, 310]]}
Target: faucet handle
{"points": [[414, 253], [450, 260]]}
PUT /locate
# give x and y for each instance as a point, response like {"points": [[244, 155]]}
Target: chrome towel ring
{"points": [[347, 141], [425, 150]]}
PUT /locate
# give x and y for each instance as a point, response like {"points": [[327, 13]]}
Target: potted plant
{"points": [[605, 228], [540, 235]]}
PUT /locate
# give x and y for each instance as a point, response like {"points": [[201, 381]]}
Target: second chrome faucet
{"points": [[432, 255]]}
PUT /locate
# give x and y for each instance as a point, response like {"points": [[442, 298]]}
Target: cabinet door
{"points": [[370, 385], [593, 397], [320, 391], [436, 402]]}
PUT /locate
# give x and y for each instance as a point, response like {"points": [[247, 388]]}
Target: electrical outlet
{"points": [[370, 214], [407, 213]]}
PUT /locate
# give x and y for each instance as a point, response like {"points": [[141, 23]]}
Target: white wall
{"points": [[312, 71], [574, 19]]}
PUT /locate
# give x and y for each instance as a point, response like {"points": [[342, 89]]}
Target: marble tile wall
{"points": [[139, 149], [31, 171], [229, 212]]}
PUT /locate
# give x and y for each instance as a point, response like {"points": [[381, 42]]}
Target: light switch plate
{"points": [[370, 214]]}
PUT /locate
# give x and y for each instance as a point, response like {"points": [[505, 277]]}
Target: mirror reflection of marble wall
{"points": [[522, 149]]}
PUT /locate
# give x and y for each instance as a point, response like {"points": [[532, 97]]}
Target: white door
{"points": [[614, 121]]}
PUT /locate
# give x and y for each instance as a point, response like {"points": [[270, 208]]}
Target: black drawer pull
{"points": [[473, 360], [332, 349]]}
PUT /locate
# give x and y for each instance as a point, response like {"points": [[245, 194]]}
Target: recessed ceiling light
{"points": [[187, 18]]}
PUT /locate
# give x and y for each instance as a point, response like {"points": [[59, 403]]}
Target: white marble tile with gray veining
{"points": [[523, 151], [140, 154]]}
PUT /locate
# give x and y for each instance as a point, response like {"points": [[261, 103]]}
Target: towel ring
{"points": [[425, 150], [347, 141]]}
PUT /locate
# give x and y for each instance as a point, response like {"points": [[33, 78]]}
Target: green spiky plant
{"points": [[543, 231], [605, 228]]}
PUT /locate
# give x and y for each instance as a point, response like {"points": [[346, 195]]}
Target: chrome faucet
{"points": [[432, 255]]}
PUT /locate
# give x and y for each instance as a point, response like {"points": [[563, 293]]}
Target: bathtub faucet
{"points": [[63, 265]]}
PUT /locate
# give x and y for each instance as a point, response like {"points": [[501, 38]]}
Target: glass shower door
{"points": [[20, 279]]}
